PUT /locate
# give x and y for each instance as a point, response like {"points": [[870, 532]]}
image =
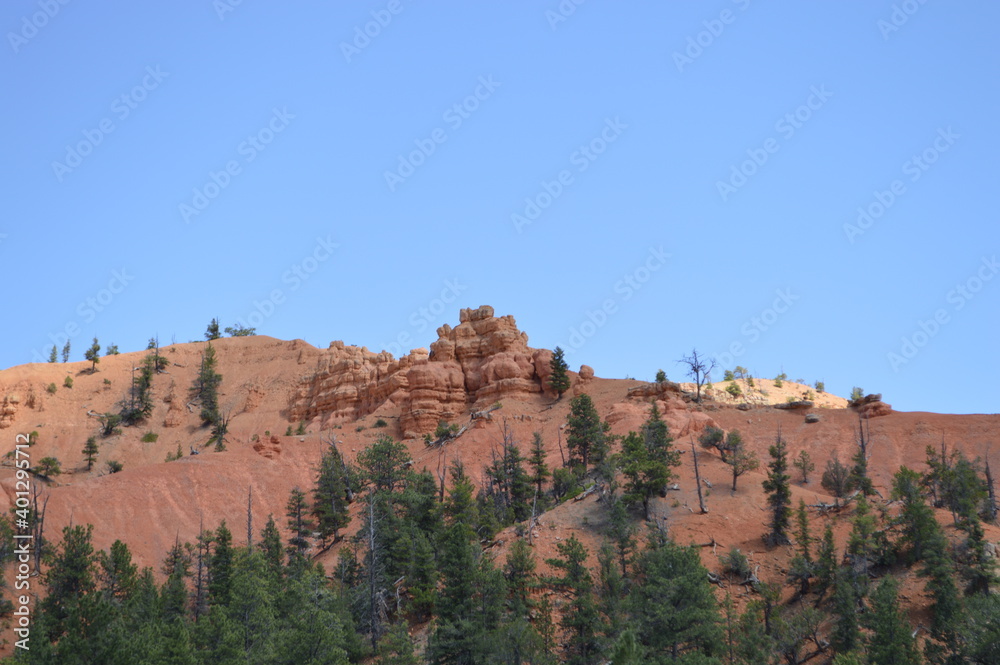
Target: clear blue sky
{"points": [[683, 174]]}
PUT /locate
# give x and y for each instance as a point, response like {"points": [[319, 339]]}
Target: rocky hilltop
{"points": [[481, 360]]}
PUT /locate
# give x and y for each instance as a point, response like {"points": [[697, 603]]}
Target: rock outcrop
{"points": [[481, 360]]}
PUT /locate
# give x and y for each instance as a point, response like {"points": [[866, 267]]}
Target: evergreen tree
{"points": [[112, 350], [250, 620], [803, 462], [581, 619], [297, 512], [90, 452], [861, 546], [220, 566], [846, 634], [915, 517], [69, 579], [520, 573], [835, 479], [271, 548], [672, 606], [117, 576], [396, 647], [93, 354], [946, 608], [540, 471], [586, 435], [330, 505], [559, 378], [890, 642], [174, 593], [383, 464], [212, 332], [53, 354], [778, 488], [65, 351], [647, 460], [802, 568], [206, 386]]}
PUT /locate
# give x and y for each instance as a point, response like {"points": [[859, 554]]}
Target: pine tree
{"points": [[846, 634], [916, 517], [803, 462], [890, 642], [330, 506], [672, 606], [65, 351], [858, 478], [559, 378], [586, 435], [212, 332], [90, 452], [53, 354], [220, 566], [383, 464], [581, 619], [116, 575], [297, 512], [861, 545], [779, 492], [540, 471], [93, 354], [802, 568], [271, 548], [206, 386], [836, 479], [826, 561], [659, 443], [520, 573]]}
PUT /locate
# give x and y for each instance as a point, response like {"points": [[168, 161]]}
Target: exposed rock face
{"points": [[586, 372], [482, 359], [872, 406]]}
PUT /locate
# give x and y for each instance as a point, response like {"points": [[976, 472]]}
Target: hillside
{"points": [[270, 386]]}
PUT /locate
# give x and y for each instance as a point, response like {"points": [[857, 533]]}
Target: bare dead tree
{"points": [[442, 472], [38, 528], [991, 499], [697, 479], [559, 441], [699, 367], [249, 518]]}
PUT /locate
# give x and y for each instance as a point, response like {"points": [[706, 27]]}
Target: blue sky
{"points": [[630, 180]]}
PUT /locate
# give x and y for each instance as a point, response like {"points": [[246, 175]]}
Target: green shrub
{"points": [[820, 386], [107, 382], [302, 428], [728, 376], [780, 380], [68, 382], [734, 389], [359, 428], [444, 429], [33, 437], [380, 423], [857, 394], [736, 562], [809, 395], [150, 437], [288, 432], [114, 466], [175, 456], [110, 424], [48, 466], [52, 388], [661, 376]]}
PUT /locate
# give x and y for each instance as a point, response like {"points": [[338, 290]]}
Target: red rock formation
{"points": [[482, 359]]}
